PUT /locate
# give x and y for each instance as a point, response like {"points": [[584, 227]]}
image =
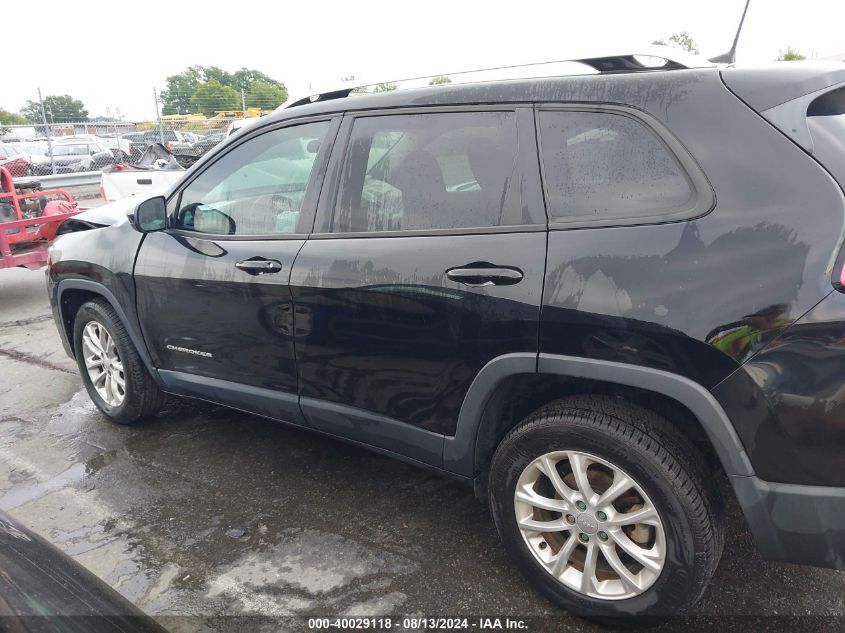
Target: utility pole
{"points": [[47, 132], [158, 117], [243, 101]]}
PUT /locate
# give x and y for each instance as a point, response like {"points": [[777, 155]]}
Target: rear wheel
{"points": [[116, 379], [606, 508]]}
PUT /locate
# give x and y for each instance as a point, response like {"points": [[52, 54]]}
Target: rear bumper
{"points": [[795, 523]]}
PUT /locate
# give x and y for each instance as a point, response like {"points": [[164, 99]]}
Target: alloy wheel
{"points": [[590, 525], [103, 363]]}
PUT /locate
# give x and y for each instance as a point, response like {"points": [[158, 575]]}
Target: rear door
{"points": [[213, 296], [426, 263]]}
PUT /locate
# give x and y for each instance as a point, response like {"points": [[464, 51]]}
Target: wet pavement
{"points": [[206, 514]]}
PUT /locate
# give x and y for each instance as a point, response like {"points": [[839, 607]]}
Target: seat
{"points": [[491, 167], [420, 180]]}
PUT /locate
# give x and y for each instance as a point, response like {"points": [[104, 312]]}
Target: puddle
{"points": [[98, 461], [313, 563], [23, 494]]}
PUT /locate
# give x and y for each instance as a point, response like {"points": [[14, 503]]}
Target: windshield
{"points": [[70, 150]]}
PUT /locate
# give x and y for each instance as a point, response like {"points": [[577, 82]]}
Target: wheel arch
{"points": [[73, 293], [507, 380]]}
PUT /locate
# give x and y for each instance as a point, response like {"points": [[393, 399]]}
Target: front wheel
{"points": [[607, 508], [116, 379]]}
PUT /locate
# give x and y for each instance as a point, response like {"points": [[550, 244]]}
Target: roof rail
{"points": [[647, 58]]}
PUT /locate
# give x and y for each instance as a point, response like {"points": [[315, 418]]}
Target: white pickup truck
{"points": [[154, 173], [156, 170]]}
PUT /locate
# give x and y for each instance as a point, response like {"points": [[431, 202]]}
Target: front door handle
{"points": [[479, 276], [259, 266]]}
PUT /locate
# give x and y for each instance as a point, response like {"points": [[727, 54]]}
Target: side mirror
{"points": [[204, 219], [151, 215]]}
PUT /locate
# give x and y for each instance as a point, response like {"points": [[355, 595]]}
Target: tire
{"points": [[669, 477], [141, 396]]}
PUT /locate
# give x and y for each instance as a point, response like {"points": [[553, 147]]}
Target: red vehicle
{"points": [[29, 217], [16, 163]]}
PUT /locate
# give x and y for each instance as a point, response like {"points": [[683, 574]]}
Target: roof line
{"points": [[602, 63]]}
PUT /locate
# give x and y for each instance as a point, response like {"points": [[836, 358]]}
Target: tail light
{"points": [[842, 277], [103, 193]]}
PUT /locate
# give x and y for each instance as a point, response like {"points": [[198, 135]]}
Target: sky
{"points": [[111, 55]]}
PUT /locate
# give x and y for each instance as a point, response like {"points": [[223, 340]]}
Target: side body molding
{"points": [[103, 291], [458, 452]]}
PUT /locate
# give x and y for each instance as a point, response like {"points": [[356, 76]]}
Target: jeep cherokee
{"points": [[584, 295]]}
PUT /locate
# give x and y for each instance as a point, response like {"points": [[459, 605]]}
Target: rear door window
{"points": [[429, 171], [606, 167]]}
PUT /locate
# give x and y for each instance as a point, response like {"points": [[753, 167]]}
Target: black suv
{"points": [[584, 295]]}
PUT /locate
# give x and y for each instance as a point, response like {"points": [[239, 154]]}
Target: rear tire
{"points": [[611, 442], [114, 375]]}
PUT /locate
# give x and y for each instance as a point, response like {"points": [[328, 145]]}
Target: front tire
{"points": [[607, 508], [114, 376]]}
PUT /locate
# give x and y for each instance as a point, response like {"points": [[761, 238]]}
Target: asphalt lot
{"points": [[205, 514]]}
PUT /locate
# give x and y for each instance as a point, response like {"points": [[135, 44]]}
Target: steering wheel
{"points": [[277, 202]]}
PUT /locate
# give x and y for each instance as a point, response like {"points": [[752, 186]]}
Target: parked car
{"points": [[173, 140], [152, 173], [587, 296], [37, 154], [16, 162], [121, 148], [73, 156], [203, 145]]}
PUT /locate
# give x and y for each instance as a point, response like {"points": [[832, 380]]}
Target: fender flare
{"points": [[99, 289], [459, 450]]}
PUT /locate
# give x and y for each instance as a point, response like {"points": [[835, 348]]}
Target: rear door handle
{"points": [[479, 276], [259, 266]]}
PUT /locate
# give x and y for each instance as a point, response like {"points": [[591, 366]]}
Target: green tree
{"points": [[59, 109], [225, 78], [682, 40], [791, 55], [440, 79], [212, 96], [176, 98], [245, 78], [385, 87], [266, 96], [12, 118]]}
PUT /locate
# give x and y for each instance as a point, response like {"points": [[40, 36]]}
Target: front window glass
{"points": [[257, 188]]}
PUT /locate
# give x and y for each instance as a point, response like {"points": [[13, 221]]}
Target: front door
{"points": [[427, 262], [213, 291]]}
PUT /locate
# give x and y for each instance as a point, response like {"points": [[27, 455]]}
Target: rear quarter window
{"points": [[826, 124], [603, 167]]}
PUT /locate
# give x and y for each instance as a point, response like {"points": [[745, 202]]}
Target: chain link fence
{"points": [[63, 148]]}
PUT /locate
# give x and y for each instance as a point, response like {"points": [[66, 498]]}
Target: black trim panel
{"points": [[100, 289], [266, 402], [374, 430], [794, 523], [696, 398], [459, 450]]}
